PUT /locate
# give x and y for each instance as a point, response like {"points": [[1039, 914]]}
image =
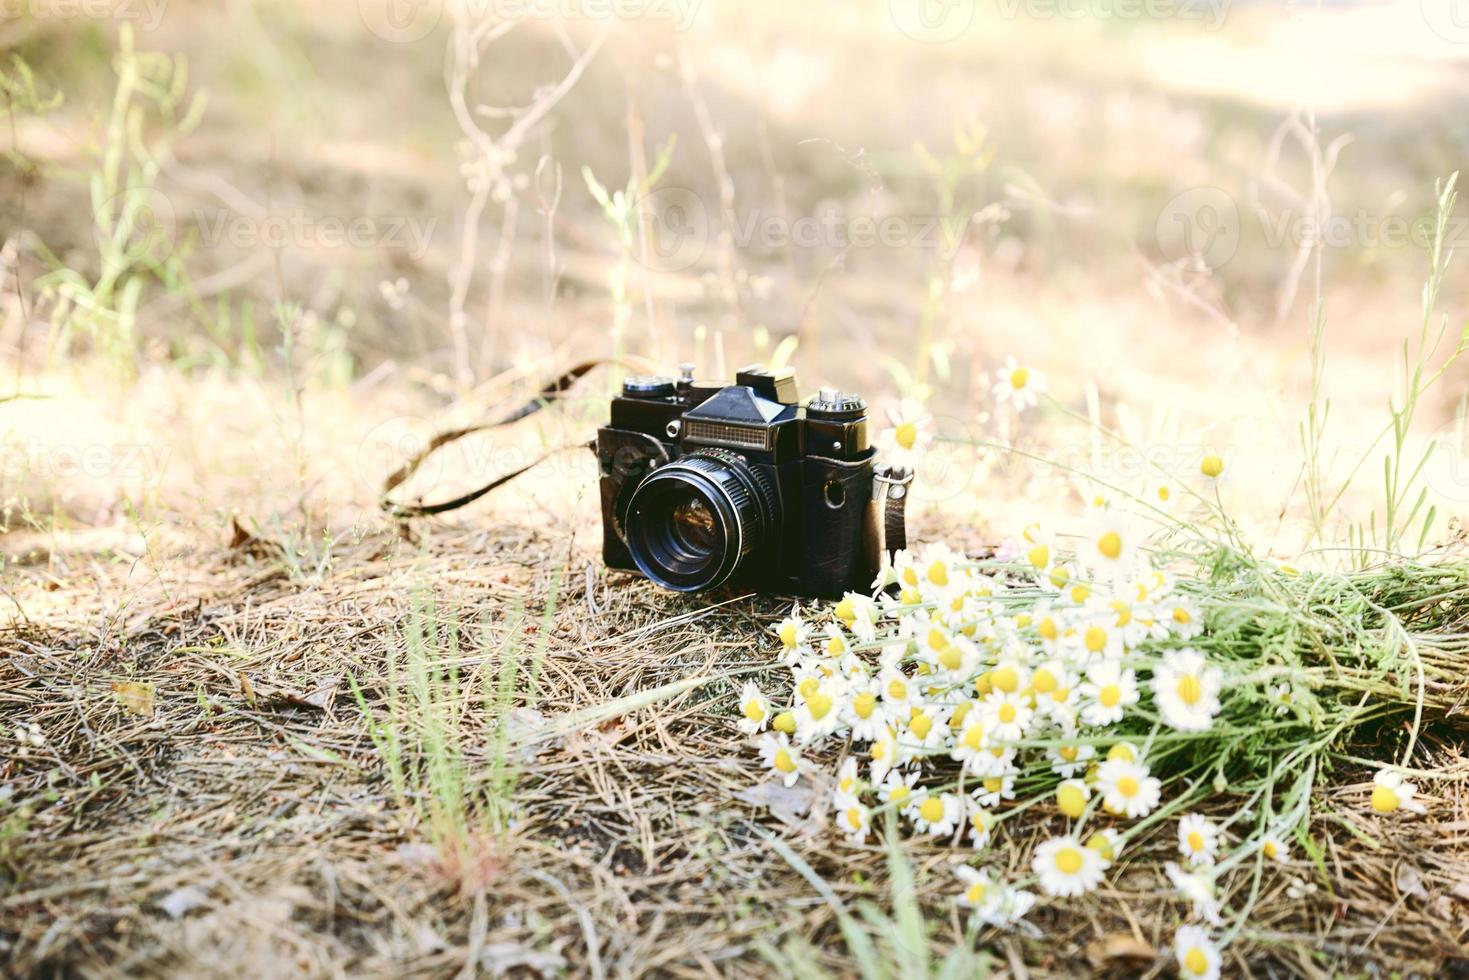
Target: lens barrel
{"points": [[691, 523]]}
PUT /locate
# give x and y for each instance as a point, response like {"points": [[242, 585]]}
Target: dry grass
{"points": [[226, 807]]}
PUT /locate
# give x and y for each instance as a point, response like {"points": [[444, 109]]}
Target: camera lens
{"points": [[691, 523]]}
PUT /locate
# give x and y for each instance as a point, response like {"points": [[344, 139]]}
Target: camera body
{"points": [[705, 484]]}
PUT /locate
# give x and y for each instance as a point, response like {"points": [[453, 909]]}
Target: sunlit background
{"points": [[254, 253]]}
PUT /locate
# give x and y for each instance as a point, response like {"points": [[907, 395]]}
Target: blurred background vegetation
{"points": [[404, 201]]}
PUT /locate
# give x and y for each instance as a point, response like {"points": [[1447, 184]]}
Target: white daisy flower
{"points": [[862, 710], [885, 754], [1018, 385], [1186, 690], [1068, 760], [1106, 693], [1067, 868], [860, 615], [849, 783], [1107, 843], [777, 753], [1109, 549], [993, 902], [1182, 618], [1197, 888], [981, 824], [897, 789], [1198, 958], [1005, 716], [1275, 848], [898, 694], [994, 790], [904, 444], [1127, 789], [792, 634], [1391, 792], [854, 820], [937, 814], [754, 708], [1198, 840], [1071, 798]]}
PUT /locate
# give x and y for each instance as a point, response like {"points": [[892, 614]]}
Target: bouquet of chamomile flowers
{"points": [[1088, 676]]}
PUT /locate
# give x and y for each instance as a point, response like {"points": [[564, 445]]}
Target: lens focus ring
{"points": [[745, 515]]}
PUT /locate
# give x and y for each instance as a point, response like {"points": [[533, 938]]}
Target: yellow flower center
{"points": [[1022, 621], [1019, 377], [808, 687], [1043, 681], [910, 575], [938, 574], [1095, 639], [974, 894], [956, 720], [784, 762], [1007, 712], [788, 635], [854, 818], [1080, 594], [1164, 493], [1039, 556], [1069, 860], [994, 784], [1128, 786], [1211, 466], [932, 809], [1195, 841], [863, 704], [1110, 545], [1098, 842], [1271, 849], [1123, 611], [784, 722], [1110, 695], [1182, 616], [836, 646], [936, 639], [754, 710], [1069, 752], [898, 794], [897, 689], [845, 611], [1196, 961], [951, 658], [1005, 678], [1189, 689], [1047, 629], [974, 737], [910, 597], [1384, 799], [1059, 576], [906, 435], [818, 704], [1060, 694], [1121, 751], [920, 725], [1070, 800]]}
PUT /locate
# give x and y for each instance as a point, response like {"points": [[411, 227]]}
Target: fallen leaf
{"points": [[786, 803], [135, 697], [1118, 946]]}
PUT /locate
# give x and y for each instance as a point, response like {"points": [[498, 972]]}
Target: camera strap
{"points": [[552, 391], [890, 497]]}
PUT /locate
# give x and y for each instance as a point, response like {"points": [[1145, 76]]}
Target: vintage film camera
{"points": [[705, 484]]}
